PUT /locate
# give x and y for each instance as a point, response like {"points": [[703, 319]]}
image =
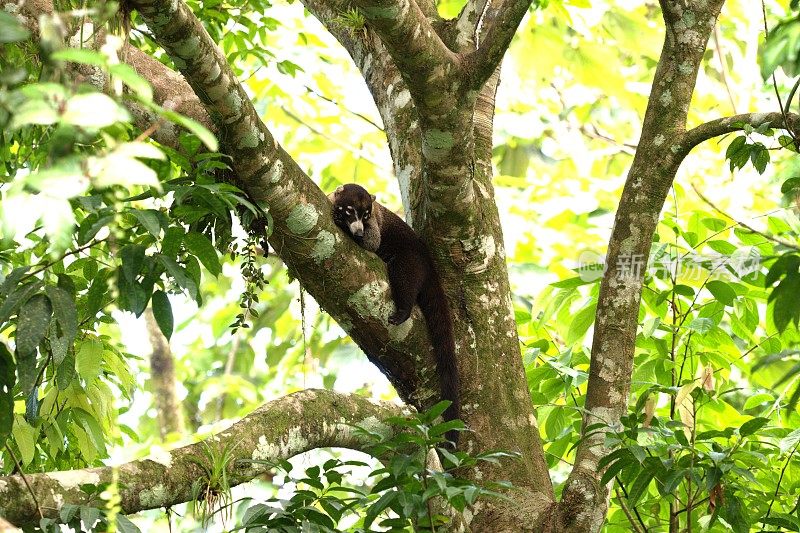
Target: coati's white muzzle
{"points": [[357, 228]]}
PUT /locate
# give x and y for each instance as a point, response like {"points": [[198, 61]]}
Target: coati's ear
{"points": [[339, 189], [372, 196]]}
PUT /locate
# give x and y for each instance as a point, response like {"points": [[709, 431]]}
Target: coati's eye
{"points": [[366, 215]]}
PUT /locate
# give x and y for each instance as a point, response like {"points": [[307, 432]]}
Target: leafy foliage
{"points": [[405, 492]]}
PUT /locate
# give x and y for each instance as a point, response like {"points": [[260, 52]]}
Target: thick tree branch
{"points": [[276, 431], [498, 26], [353, 290], [426, 63], [649, 181], [466, 25]]}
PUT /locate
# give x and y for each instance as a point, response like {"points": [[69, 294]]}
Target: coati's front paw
{"points": [[399, 316]]}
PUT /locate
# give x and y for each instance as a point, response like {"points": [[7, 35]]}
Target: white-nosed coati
{"points": [[412, 277]]}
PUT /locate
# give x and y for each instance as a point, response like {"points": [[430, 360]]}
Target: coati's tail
{"points": [[433, 303]]}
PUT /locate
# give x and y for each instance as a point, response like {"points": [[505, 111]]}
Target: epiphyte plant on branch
{"points": [[74, 142]]}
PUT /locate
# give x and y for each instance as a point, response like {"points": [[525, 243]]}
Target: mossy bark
{"points": [[274, 432]]}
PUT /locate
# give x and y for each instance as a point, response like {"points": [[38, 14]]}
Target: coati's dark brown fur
{"points": [[412, 277]]}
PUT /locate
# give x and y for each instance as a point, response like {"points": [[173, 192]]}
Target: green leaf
{"points": [[751, 426], [732, 512], [121, 166], [132, 257], [11, 281], [790, 185], [162, 311], [14, 300], [66, 315], [33, 112], [786, 308], [7, 379], [580, 324], [723, 292], [790, 441], [756, 400], [149, 219], [34, 317], [199, 245], [714, 224], [25, 437], [701, 325], [171, 243], [90, 515], [639, 486], [722, 247], [124, 525], [759, 155], [378, 507], [92, 428], [88, 359], [180, 275], [96, 294], [65, 373], [67, 512]]}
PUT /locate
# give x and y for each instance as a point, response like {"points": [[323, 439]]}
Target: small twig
{"points": [[363, 117], [327, 137], [149, 131], [744, 225], [695, 504], [778, 486], [723, 69], [775, 81], [643, 528], [25, 480], [54, 261]]}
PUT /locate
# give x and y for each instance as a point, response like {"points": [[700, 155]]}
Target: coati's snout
{"points": [[352, 209], [357, 228]]}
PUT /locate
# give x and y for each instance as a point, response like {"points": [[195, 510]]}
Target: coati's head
{"points": [[352, 208]]}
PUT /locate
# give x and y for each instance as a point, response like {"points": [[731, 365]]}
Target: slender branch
{"points": [[723, 68], [749, 228], [778, 486], [25, 480], [344, 108], [722, 126], [274, 432], [499, 24], [638, 527]]}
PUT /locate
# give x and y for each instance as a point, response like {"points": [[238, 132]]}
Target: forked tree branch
{"points": [[498, 26], [646, 188], [274, 432], [425, 62]]}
